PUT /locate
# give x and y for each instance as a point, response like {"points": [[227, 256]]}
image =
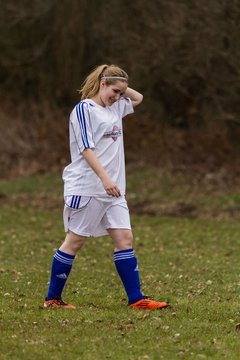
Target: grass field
{"points": [[187, 239]]}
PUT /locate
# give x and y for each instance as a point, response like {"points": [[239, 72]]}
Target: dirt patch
{"points": [[181, 210], [206, 155]]}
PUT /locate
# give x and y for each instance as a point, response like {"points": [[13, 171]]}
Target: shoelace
{"points": [[60, 301]]}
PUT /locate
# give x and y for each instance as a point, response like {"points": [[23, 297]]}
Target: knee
{"points": [[125, 242], [129, 239], [72, 243], [76, 245]]}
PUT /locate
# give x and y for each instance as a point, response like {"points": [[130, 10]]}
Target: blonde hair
{"points": [[91, 84]]}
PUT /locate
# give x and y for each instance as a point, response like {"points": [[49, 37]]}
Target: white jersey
{"points": [[99, 128]]}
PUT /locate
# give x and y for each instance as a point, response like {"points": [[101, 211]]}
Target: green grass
{"points": [[191, 259]]}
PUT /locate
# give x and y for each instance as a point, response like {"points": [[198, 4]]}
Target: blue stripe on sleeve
{"points": [[82, 123]]}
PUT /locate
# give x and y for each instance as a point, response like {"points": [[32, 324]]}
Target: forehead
{"points": [[120, 85]]}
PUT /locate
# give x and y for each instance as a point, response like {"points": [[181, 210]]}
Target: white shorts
{"points": [[92, 216]]}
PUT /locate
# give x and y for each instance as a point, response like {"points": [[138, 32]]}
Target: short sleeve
{"points": [[124, 106], [81, 126]]}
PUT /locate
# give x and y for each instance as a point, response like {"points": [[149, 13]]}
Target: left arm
{"points": [[135, 97]]}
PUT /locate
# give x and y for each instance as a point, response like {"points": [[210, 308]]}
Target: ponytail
{"points": [[91, 84]]}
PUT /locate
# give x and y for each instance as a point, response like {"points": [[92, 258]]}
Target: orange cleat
{"points": [[57, 304], [148, 304]]}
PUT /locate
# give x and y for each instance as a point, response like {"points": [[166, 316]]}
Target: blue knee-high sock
{"points": [[61, 267], [127, 268]]}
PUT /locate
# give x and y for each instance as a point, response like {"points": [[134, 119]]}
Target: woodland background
{"points": [[183, 55]]}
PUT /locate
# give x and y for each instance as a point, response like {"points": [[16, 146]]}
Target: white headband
{"points": [[114, 77]]}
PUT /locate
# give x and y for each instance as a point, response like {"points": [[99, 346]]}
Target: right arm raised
{"points": [[109, 185]]}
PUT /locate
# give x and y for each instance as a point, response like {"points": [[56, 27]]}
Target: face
{"points": [[108, 94]]}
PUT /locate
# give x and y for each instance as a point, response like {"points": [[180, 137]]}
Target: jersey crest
{"points": [[114, 133]]}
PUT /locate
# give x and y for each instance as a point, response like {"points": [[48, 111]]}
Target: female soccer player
{"points": [[94, 183]]}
